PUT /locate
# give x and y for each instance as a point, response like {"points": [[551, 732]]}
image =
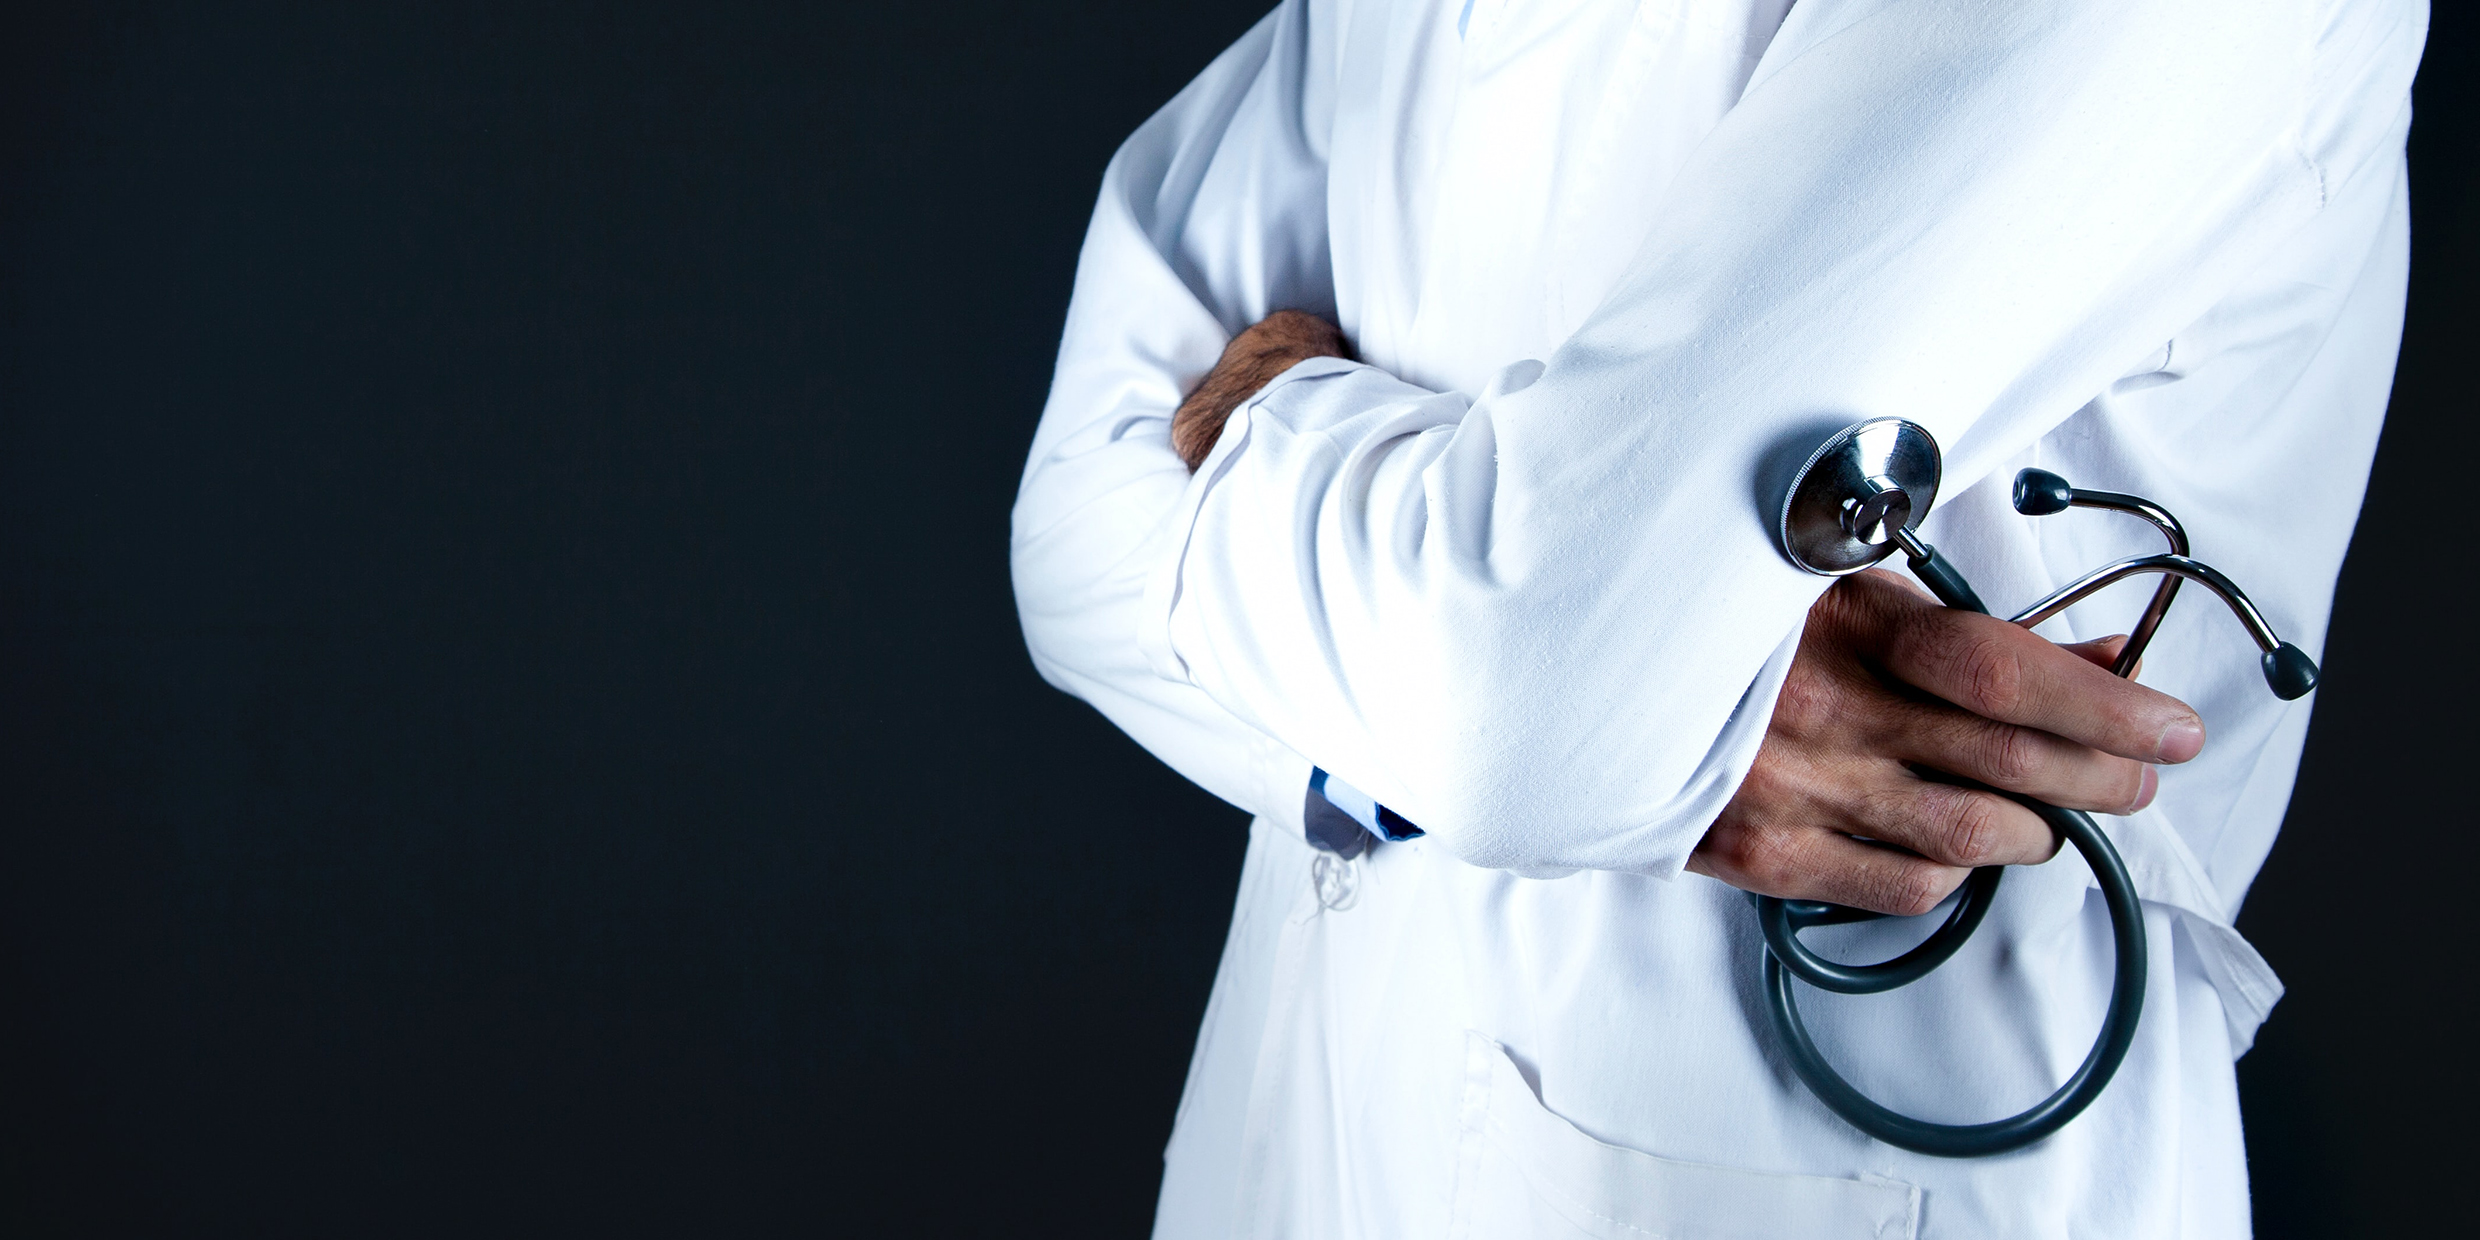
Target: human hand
{"points": [[1253, 358], [1887, 683]]}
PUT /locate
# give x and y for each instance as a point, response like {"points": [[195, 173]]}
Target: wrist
{"points": [[1252, 360]]}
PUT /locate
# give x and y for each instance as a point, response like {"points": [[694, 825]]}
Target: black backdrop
{"points": [[514, 720]]}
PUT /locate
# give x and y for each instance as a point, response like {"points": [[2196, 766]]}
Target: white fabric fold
{"points": [[2167, 874]]}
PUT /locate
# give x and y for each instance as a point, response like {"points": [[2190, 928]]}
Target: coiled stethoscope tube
{"points": [[1857, 501]]}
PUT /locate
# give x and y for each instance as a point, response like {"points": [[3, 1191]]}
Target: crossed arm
{"points": [[1891, 698], [1542, 616]]}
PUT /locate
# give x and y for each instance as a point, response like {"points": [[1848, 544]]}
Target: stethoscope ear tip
{"points": [[2289, 672], [2039, 493]]}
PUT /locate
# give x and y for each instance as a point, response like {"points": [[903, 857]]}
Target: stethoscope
{"points": [[1858, 500]]}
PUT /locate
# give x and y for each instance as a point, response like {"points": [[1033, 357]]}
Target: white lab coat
{"points": [[1608, 265]]}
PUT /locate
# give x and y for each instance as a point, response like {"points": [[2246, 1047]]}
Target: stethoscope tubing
{"points": [[2118, 1022], [1855, 502], [1782, 921], [1786, 956]]}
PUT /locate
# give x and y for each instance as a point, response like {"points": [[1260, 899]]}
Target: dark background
{"points": [[514, 720]]}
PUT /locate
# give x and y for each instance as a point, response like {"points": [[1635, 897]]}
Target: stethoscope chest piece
{"points": [[1864, 484]]}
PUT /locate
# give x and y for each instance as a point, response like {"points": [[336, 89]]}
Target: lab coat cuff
{"points": [[1280, 776], [1168, 553], [1726, 766], [1717, 780]]}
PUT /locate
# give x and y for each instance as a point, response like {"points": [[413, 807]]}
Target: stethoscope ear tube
{"points": [[2118, 1024]]}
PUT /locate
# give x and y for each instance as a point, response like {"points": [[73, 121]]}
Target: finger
{"points": [[2024, 760], [2002, 672], [1813, 863], [2102, 652], [1831, 866], [1950, 824]]}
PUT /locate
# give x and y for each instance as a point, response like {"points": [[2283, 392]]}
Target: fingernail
{"points": [[2146, 792], [2180, 741]]}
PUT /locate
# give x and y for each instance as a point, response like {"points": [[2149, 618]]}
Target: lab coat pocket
{"points": [[1522, 1171]]}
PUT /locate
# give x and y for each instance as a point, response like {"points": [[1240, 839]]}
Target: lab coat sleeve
{"points": [[1546, 621], [1211, 216]]}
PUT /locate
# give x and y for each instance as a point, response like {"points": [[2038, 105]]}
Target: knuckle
{"points": [[1990, 675], [1767, 789], [2011, 756], [1770, 858], [1927, 643], [1860, 609], [1972, 831], [1807, 700], [1892, 811], [1730, 845], [1839, 606], [1915, 889], [1957, 826]]}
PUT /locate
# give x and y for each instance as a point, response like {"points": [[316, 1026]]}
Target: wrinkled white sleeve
{"points": [[1546, 621], [1211, 216]]}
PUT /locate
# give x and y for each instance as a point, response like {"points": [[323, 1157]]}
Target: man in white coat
{"points": [[1494, 549]]}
